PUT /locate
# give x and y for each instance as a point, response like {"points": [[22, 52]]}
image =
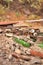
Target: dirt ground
{"points": [[8, 47], [18, 11]]}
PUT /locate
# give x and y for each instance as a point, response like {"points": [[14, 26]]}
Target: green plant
{"points": [[22, 42], [41, 44]]}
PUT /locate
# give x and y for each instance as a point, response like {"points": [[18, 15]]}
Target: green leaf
{"points": [[41, 45]]}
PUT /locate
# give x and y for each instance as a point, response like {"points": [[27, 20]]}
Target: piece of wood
{"points": [[36, 53], [8, 22], [24, 57]]}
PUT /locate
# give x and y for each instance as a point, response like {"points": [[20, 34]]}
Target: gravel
{"points": [[8, 46]]}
